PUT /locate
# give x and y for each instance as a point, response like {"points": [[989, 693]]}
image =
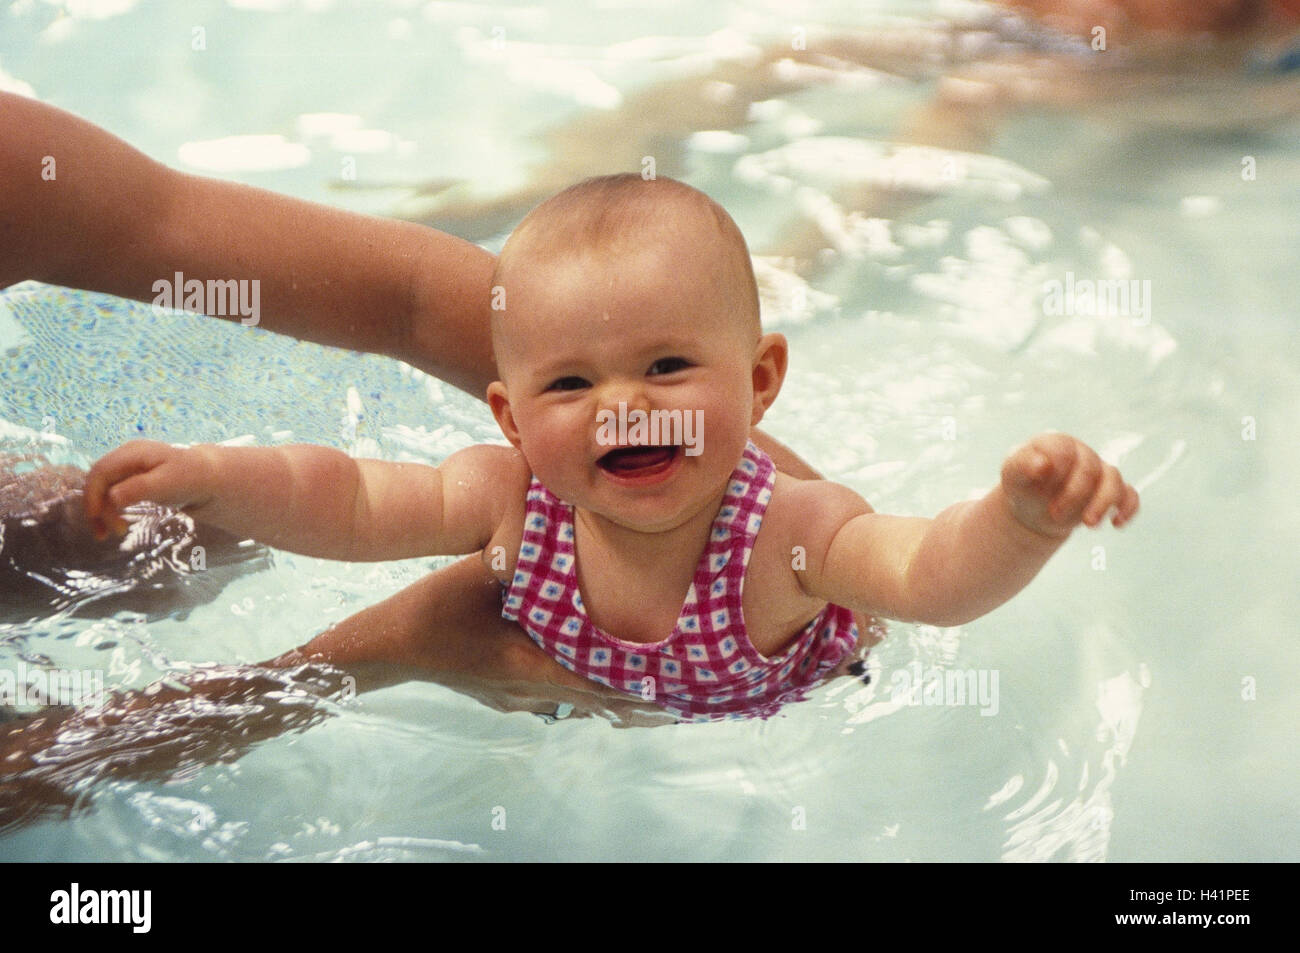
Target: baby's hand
{"points": [[1055, 482], [142, 470]]}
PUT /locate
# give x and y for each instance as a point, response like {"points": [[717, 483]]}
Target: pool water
{"points": [[1138, 704]]}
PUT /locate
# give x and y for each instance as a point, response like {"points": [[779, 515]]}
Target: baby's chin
{"points": [[658, 508]]}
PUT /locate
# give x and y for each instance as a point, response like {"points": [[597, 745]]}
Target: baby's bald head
{"points": [[624, 218]]}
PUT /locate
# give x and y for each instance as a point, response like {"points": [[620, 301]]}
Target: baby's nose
{"points": [[629, 394]]}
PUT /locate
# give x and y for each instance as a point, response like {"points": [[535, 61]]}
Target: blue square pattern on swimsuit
{"points": [[716, 685]]}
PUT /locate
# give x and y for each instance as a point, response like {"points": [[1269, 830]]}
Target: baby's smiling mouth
{"points": [[638, 461]]}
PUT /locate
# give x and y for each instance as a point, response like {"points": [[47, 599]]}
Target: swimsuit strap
{"points": [[715, 597]]}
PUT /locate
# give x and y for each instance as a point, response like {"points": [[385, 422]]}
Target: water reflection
{"points": [[51, 563]]}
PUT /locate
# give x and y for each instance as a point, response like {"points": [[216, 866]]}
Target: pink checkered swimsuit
{"points": [[707, 669]]}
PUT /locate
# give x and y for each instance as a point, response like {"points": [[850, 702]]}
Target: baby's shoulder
{"points": [[504, 473], [802, 518], [499, 466], [810, 512], [496, 476]]}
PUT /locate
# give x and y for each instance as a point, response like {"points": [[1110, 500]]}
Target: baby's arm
{"points": [[315, 500], [973, 556]]}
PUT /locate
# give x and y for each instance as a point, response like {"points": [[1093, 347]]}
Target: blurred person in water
{"points": [[1138, 66]]}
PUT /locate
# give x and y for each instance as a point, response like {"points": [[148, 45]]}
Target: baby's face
{"points": [[586, 341]]}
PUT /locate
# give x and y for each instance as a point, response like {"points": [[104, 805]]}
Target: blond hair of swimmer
{"points": [[640, 293]]}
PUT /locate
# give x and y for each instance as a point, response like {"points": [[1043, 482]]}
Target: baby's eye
{"points": [[666, 365], [567, 383]]}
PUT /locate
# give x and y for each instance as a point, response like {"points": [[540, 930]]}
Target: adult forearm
{"points": [[335, 277], [80, 207], [48, 759], [973, 558], [74, 201]]}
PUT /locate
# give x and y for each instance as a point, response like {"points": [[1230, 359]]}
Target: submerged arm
{"points": [[210, 716], [446, 628]]}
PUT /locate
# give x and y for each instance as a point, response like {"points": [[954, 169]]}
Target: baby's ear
{"points": [[499, 401], [771, 358]]}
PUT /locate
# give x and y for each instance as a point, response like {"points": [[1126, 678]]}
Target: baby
{"points": [[639, 535]]}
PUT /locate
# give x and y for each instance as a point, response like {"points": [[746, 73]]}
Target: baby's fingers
{"points": [[1068, 507], [115, 466], [1128, 507], [132, 473], [1110, 493]]}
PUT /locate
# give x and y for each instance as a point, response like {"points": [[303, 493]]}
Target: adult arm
{"points": [[446, 628], [81, 208]]}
